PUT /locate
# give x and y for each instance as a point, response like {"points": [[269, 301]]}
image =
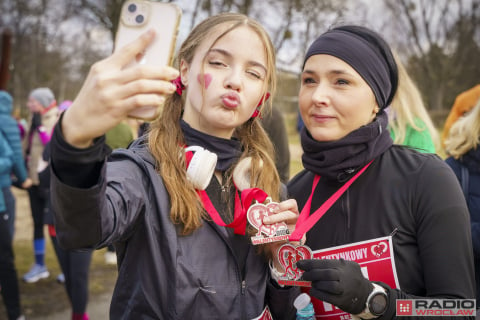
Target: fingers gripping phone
{"points": [[138, 16]]}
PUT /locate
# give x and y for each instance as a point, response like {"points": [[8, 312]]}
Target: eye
{"points": [[308, 80], [255, 74], [342, 81], [217, 63]]}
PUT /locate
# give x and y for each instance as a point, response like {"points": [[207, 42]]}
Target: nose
{"points": [[320, 95], [233, 80]]}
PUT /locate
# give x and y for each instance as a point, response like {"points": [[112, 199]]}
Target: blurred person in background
{"points": [[408, 119], [10, 130], [44, 113], [464, 102], [75, 264], [462, 144], [8, 273]]}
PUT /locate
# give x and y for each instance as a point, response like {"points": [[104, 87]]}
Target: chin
{"points": [[322, 134]]}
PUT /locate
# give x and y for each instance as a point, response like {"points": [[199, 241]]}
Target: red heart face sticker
{"points": [[257, 212], [289, 255]]}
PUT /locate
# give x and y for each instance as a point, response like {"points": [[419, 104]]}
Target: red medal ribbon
{"points": [[239, 223], [306, 221]]}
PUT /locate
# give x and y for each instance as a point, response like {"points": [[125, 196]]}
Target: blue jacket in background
{"points": [[10, 131], [5, 165]]}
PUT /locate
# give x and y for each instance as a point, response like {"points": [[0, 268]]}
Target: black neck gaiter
{"points": [[341, 158], [228, 150]]}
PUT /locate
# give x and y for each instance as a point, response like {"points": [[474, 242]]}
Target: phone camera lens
{"points": [[139, 18], [132, 7]]}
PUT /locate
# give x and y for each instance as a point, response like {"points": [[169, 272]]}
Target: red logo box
{"points": [[404, 308]]}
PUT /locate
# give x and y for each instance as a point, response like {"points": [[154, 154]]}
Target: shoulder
{"points": [[137, 152], [9, 124], [408, 157], [418, 170]]}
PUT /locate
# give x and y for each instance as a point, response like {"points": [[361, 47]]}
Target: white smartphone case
{"points": [[138, 16]]}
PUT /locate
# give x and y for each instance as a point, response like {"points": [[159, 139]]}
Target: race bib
{"points": [[376, 260]]}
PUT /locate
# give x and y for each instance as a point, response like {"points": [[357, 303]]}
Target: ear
{"points": [[184, 67]]}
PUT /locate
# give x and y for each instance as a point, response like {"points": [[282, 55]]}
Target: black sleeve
{"points": [[280, 301], [75, 167]]}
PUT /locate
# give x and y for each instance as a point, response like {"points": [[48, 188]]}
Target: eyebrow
{"points": [[228, 54], [330, 72]]}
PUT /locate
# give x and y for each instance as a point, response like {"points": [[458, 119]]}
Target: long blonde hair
{"points": [[407, 106], [166, 138], [464, 134]]}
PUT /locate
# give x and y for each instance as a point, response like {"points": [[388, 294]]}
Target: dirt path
{"points": [[23, 220]]}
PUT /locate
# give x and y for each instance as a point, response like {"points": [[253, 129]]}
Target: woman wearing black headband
{"points": [[398, 216]]}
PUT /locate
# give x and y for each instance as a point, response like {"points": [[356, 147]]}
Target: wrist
{"points": [[73, 133], [376, 304]]}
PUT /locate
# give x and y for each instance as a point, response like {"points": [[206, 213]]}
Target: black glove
{"points": [[339, 282]]}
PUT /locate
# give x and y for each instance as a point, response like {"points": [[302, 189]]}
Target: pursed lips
{"points": [[230, 100]]}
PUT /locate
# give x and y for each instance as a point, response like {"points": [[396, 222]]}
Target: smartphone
{"points": [[138, 16]]}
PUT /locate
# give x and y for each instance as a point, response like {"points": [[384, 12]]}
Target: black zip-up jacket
{"points": [[419, 196]]}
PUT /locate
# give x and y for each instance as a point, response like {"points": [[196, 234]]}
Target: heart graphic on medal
{"points": [[266, 232], [288, 256]]}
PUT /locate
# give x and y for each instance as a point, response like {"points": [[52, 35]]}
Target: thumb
{"points": [[306, 264]]}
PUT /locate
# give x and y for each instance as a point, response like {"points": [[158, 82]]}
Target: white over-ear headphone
{"points": [[202, 166], [242, 173]]}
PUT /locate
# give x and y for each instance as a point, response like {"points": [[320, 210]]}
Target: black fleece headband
{"points": [[361, 55]]}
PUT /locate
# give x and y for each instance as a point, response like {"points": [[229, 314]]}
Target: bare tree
{"points": [[441, 41], [292, 24]]}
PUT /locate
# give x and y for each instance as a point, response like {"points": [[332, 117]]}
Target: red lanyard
{"points": [[306, 221], [239, 222]]}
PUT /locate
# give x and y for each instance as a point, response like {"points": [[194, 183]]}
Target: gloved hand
{"points": [[339, 282]]}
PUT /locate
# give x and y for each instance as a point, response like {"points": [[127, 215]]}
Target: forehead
{"points": [[235, 42], [325, 63]]}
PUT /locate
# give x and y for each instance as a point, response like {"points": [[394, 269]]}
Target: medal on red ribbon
{"points": [[266, 233], [288, 255]]}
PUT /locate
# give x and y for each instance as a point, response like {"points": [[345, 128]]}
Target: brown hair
{"points": [[166, 139]]}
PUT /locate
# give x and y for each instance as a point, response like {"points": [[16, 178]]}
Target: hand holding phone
{"points": [[112, 90], [138, 16]]}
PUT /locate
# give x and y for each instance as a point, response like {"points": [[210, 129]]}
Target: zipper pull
{"points": [[244, 286]]}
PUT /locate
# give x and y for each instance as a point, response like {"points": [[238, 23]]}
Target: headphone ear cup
{"points": [[242, 173], [201, 167]]}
